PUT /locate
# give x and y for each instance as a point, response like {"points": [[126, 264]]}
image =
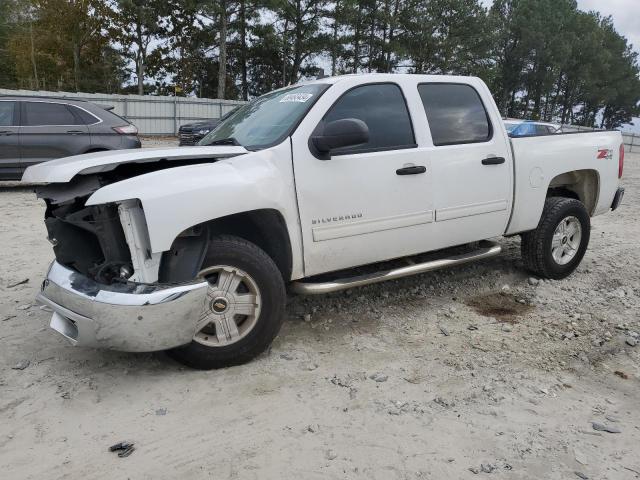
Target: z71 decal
{"points": [[605, 154]]}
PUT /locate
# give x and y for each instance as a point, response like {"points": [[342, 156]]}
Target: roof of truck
{"points": [[374, 76]]}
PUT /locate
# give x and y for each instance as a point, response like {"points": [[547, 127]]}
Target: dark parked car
{"points": [[37, 129], [192, 133]]}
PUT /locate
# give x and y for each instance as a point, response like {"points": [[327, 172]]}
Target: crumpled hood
{"points": [[62, 170]]}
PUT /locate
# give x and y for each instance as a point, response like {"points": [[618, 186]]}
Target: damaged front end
{"points": [[89, 240], [103, 285], [108, 242]]}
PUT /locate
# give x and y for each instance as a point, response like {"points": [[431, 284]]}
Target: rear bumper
{"points": [[617, 199], [127, 317], [131, 141]]}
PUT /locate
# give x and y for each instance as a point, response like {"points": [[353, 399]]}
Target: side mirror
{"points": [[347, 132]]}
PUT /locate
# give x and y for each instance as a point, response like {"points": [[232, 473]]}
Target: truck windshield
{"points": [[267, 120]]}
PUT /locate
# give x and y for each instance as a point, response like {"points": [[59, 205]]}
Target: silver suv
{"points": [[37, 129]]}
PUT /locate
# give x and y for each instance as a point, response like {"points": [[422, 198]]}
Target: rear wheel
{"points": [[556, 247], [243, 310]]}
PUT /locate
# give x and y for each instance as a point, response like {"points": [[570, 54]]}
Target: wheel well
{"points": [[265, 228], [582, 185]]}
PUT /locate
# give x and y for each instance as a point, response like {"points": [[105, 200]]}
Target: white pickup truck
{"points": [[320, 186]]}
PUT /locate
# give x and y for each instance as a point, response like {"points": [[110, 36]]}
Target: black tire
{"points": [[239, 253], [536, 244]]}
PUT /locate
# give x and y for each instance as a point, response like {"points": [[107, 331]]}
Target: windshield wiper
{"points": [[226, 141]]}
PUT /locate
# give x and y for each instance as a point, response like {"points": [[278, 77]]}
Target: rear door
{"points": [[10, 167], [470, 161], [51, 130]]}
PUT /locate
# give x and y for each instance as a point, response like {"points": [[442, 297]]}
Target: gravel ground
{"points": [[477, 371], [157, 142]]}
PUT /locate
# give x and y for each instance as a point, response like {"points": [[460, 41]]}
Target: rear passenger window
{"points": [[44, 113], [542, 130], [85, 116], [383, 109], [455, 113], [6, 113]]}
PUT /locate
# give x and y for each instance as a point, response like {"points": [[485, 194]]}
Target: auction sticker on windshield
{"points": [[296, 97]]}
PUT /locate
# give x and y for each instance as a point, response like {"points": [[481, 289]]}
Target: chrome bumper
{"points": [[129, 317]]}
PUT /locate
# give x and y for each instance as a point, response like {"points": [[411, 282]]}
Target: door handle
{"points": [[75, 132], [413, 170], [493, 161], [6, 132]]}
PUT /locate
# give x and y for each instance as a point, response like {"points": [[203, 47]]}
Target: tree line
{"points": [[543, 59]]}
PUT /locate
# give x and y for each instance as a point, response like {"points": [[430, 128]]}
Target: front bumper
{"points": [[128, 317], [189, 139]]}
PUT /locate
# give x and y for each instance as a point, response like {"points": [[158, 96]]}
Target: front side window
{"points": [[267, 120], [6, 113], [44, 113], [383, 109], [455, 113]]}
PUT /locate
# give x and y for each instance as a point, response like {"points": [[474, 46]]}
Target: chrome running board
{"points": [[487, 249]]}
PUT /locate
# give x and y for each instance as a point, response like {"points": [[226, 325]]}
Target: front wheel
{"points": [[243, 310], [556, 247]]}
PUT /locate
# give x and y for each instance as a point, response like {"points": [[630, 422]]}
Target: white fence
{"points": [[164, 115], [152, 115], [631, 140]]}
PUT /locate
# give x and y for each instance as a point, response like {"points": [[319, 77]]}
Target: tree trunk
{"points": [[356, 41], [243, 50], [284, 52], [222, 58], [372, 37], [140, 57], [140, 68], [392, 25], [512, 104], [297, 45], [33, 58], [566, 104], [76, 65], [334, 43]]}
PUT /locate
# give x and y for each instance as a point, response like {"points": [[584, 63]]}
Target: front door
{"points": [[366, 203], [10, 168]]}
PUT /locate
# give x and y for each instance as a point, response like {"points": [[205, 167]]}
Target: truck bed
{"points": [[541, 162]]}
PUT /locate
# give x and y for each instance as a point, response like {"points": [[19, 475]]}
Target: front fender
{"points": [[178, 198]]}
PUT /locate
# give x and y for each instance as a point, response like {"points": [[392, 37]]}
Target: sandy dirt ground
{"points": [[475, 372]]}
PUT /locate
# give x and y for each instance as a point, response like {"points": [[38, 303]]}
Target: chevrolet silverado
{"points": [[320, 186]]}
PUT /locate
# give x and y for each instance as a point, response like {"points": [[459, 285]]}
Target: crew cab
{"points": [[316, 187]]}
